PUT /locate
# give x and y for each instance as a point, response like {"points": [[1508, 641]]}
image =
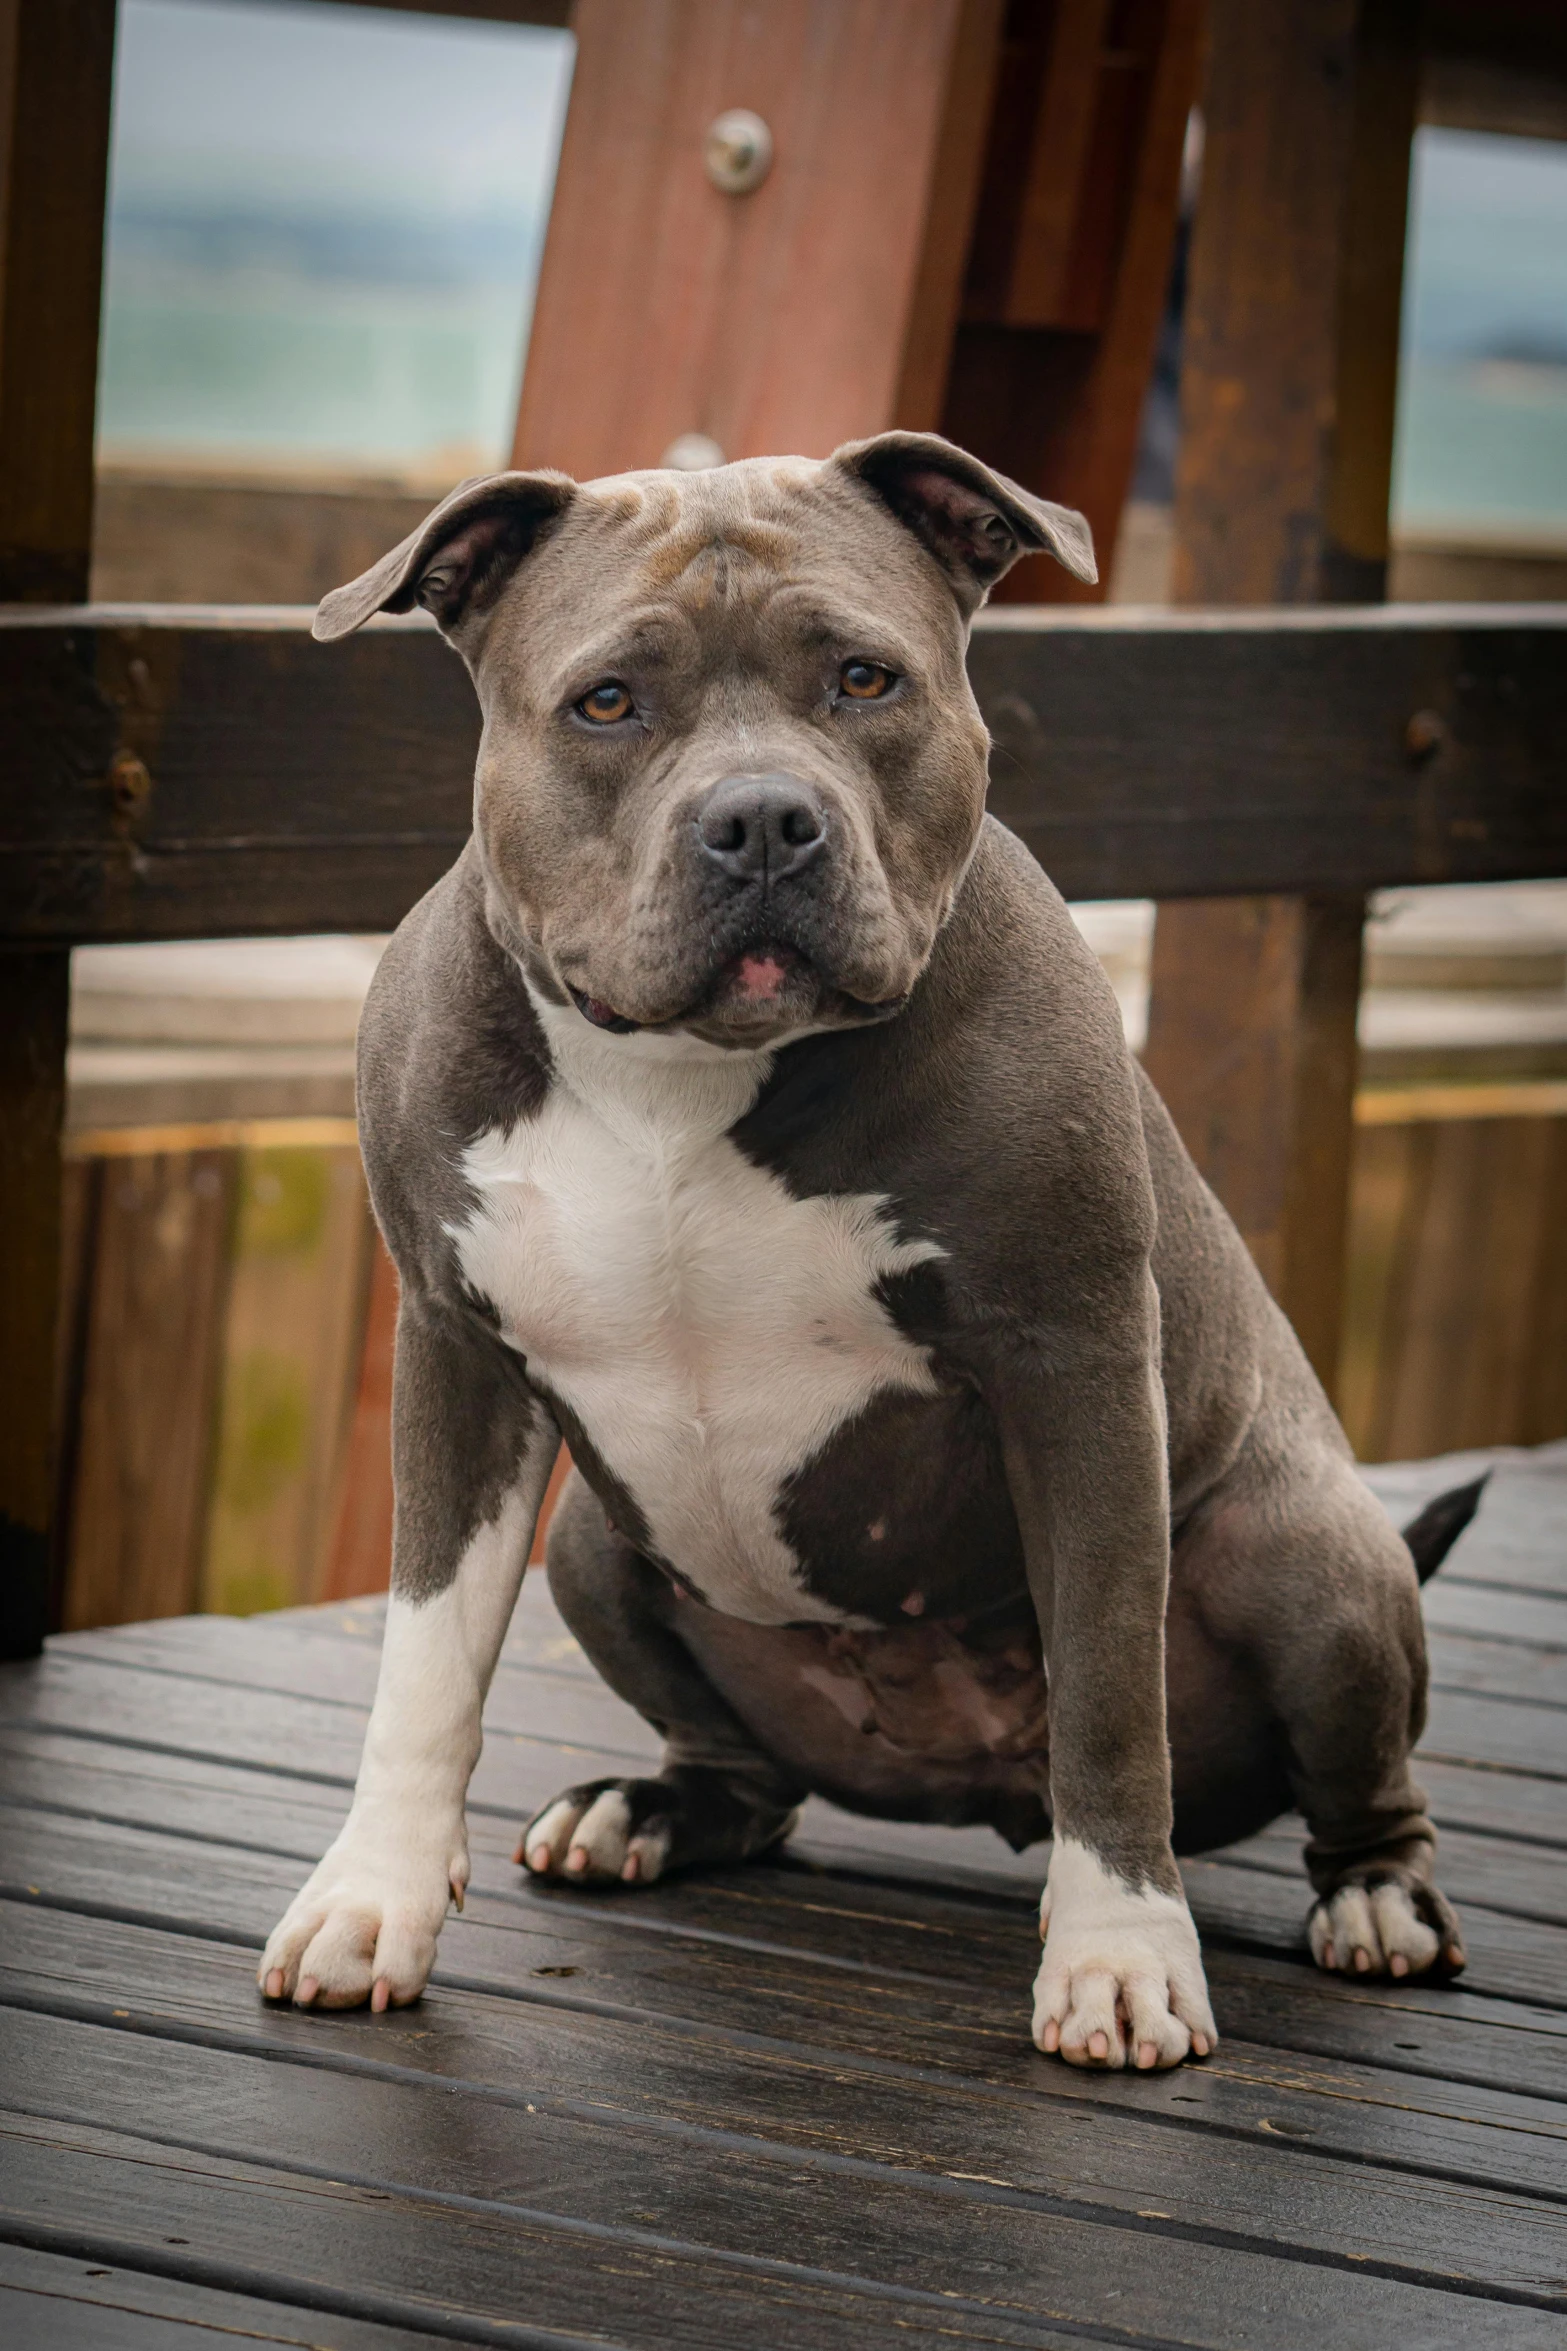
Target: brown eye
{"points": [[864, 681], [606, 702]]}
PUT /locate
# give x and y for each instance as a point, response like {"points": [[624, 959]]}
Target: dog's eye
{"points": [[606, 702], [864, 681]]}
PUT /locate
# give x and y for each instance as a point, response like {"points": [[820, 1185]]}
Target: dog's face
{"points": [[731, 770]]}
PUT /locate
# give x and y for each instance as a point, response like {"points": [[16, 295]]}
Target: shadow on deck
{"points": [[790, 2105]]}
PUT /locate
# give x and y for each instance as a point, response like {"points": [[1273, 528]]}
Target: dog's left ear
{"points": [[974, 521], [459, 558]]}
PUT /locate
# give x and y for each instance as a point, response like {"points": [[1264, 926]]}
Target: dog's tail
{"points": [[1433, 1533]]}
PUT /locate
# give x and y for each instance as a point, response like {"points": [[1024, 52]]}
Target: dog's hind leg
{"points": [[1295, 1567], [718, 1797]]}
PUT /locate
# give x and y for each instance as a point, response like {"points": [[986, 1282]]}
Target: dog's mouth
{"points": [[756, 993]]}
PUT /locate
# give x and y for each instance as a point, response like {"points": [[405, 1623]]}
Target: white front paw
{"points": [[1121, 1981], [365, 1924]]}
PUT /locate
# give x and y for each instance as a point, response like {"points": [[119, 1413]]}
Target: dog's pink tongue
{"points": [[761, 978]]}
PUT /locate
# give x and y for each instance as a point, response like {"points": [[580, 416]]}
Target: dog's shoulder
{"points": [[450, 1047]]}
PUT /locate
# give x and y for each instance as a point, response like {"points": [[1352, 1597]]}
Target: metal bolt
{"points": [[130, 786], [738, 151], [692, 453], [1426, 734]]}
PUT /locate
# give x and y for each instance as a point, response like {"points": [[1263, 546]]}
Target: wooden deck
{"points": [[794, 2105]]}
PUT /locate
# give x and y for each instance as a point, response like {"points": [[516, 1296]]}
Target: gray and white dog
{"points": [[745, 1108]]}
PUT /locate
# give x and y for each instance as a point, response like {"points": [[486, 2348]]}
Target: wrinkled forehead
{"points": [[755, 535]]}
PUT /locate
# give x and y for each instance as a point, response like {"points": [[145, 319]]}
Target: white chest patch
{"points": [[708, 1330]]}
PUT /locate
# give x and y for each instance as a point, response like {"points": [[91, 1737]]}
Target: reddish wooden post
{"points": [[820, 305], [1282, 495], [55, 66]]}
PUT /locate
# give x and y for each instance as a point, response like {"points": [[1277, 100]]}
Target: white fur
{"points": [[600, 1833], [1364, 1932], [370, 1912], [708, 1330], [1111, 1946]]}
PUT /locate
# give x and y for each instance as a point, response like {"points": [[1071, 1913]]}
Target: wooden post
{"points": [[817, 307], [1287, 395], [56, 60]]}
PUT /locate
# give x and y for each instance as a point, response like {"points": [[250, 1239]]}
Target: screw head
{"points": [[1425, 735], [737, 152], [130, 786]]}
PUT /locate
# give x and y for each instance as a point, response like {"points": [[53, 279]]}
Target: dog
{"points": [[745, 1109]]}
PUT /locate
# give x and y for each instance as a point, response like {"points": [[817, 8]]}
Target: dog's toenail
{"points": [[1199, 2044], [274, 1984], [1098, 2044], [1399, 1964], [1362, 1961], [539, 1858], [631, 1870], [577, 1859], [1147, 2054], [308, 1988], [380, 1996]]}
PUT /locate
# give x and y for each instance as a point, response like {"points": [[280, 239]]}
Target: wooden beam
{"points": [[1287, 392], [814, 309], [56, 63], [1071, 256], [178, 772]]}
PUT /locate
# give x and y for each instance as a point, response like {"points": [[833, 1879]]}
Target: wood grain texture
{"points": [[297, 787], [667, 307], [794, 2102], [34, 1009], [1288, 383], [1071, 257], [153, 1344]]}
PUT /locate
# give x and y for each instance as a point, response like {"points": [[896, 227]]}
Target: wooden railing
{"points": [[176, 772]]}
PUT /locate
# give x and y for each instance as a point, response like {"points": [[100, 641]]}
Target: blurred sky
{"points": [[325, 227]]}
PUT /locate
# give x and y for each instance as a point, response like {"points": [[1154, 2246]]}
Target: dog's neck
{"points": [[652, 1079]]}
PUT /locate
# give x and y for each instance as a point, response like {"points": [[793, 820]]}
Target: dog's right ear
{"points": [[459, 558]]}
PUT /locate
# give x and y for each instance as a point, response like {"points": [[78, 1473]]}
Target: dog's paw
{"points": [[1386, 1927], [1121, 1981], [619, 1829], [364, 1925]]}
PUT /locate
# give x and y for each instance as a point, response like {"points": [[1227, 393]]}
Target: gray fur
{"points": [[1109, 1367]]}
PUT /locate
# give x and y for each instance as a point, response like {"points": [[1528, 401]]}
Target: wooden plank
{"points": [[56, 60], [361, 1556], [846, 1964], [137, 1515], [295, 786], [1288, 386], [61, 2302], [849, 248], [727, 2169], [55, 67], [34, 1009], [146, 1982], [398, 2253]]}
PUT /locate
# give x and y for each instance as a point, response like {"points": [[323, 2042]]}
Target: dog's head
{"points": [[731, 770]]}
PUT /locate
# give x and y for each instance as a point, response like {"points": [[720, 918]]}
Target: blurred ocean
{"points": [[1482, 424], [324, 233], [325, 228]]}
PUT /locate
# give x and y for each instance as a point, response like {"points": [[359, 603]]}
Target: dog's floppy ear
{"points": [[974, 521], [458, 558]]}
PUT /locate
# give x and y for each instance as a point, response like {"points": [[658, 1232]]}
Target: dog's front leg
{"points": [[1082, 1423], [472, 1449]]}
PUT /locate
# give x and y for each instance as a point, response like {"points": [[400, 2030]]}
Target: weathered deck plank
{"points": [[792, 2104]]}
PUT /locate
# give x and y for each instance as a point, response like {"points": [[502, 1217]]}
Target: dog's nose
{"points": [[760, 828]]}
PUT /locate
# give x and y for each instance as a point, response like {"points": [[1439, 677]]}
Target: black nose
{"points": [[760, 828]]}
